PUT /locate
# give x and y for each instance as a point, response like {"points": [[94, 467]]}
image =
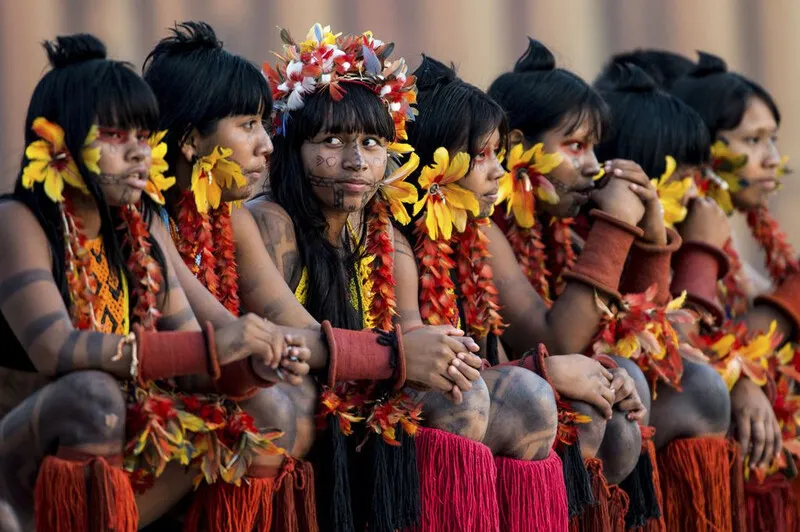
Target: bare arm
{"points": [[567, 327], [265, 237], [31, 303]]}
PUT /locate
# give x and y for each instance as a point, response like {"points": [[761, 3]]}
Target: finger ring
{"points": [[280, 375], [294, 359]]}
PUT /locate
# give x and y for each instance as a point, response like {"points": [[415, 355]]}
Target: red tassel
{"points": [[768, 504], [61, 501], [738, 508], [295, 507], [457, 483], [793, 511], [608, 512], [696, 476], [223, 507], [532, 495]]}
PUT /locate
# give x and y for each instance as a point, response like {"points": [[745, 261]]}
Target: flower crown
{"points": [[324, 60]]}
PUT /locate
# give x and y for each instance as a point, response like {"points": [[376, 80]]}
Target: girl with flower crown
{"points": [[102, 348], [744, 170], [341, 103]]}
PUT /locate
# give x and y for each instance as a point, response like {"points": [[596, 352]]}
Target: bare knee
{"points": [[621, 447], [590, 435], [85, 408], [469, 419], [272, 410], [702, 408], [523, 419], [639, 380]]}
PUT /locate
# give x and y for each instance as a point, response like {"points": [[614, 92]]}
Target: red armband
{"points": [[603, 256], [650, 264], [535, 362], [364, 355], [696, 268], [786, 298], [239, 381], [167, 354]]}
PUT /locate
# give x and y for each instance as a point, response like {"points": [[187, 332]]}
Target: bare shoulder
{"points": [[19, 228], [277, 233]]}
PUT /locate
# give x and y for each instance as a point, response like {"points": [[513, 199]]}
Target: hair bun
{"points": [[709, 64], [536, 58], [627, 77], [72, 49], [192, 35], [432, 73]]}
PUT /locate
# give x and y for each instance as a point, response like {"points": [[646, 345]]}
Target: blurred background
{"points": [[483, 38]]}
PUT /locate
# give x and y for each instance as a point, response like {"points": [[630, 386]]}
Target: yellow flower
{"points": [[156, 182], [397, 191], [726, 164], [783, 168], [318, 36], [213, 173], [51, 163], [91, 156], [671, 194], [446, 204], [525, 182]]}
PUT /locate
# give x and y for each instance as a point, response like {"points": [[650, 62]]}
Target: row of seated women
{"points": [[332, 294]]}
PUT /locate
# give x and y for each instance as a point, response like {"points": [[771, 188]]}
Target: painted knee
{"points": [[590, 435], [469, 419], [702, 408], [272, 409], [621, 447], [89, 410], [523, 419]]}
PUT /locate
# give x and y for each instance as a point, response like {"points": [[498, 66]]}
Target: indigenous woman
{"points": [[691, 408], [555, 120], [745, 168], [459, 258], [339, 101], [94, 349], [218, 149]]}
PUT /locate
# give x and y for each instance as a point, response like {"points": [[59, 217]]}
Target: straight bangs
{"points": [[125, 100], [359, 111]]}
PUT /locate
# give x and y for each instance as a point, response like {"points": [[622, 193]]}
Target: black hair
{"points": [[198, 83], [663, 66], [452, 113], [647, 123], [84, 88], [719, 96], [539, 97], [359, 111]]}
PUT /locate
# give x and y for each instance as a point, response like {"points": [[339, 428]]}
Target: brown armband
{"points": [[649, 264], [239, 381], [364, 355], [603, 256], [786, 298], [696, 268], [167, 354]]}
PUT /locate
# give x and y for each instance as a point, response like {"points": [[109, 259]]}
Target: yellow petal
{"points": [[505, 188], [441, 161], [515, 155], [678, 302], [91, 158], [399, 213], [50, 132], [458, 196], [430, 224], [419, 204], [214, 195], [399, 147], [38, 150], [404, 171], [443, 219], [669, 170], [458, 168], [459, 217], [53, 185], [200, 189], [546, 162]]}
